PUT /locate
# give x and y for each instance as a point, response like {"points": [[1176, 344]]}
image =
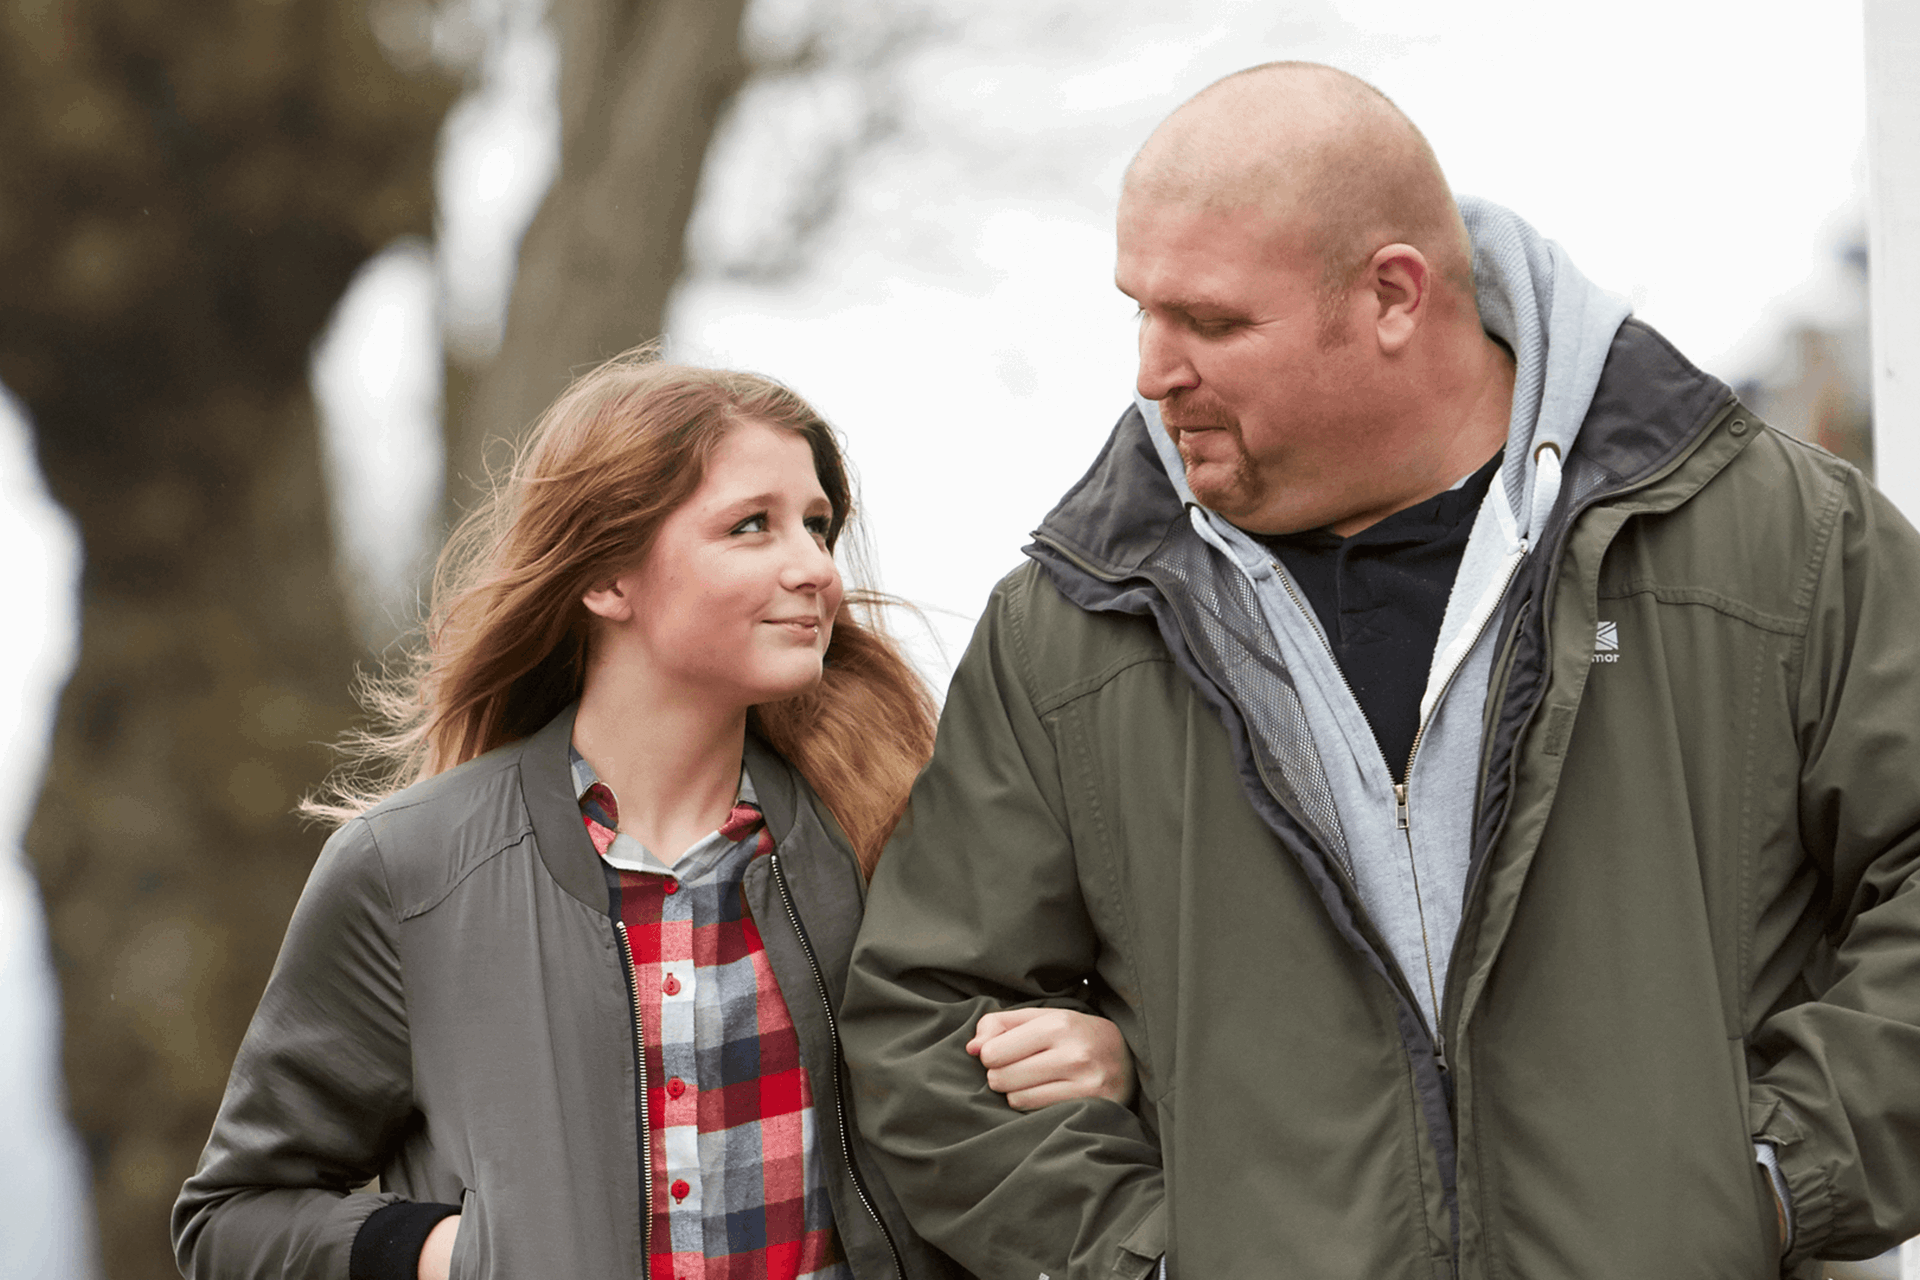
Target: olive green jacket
{"points": [[1692, 917]]}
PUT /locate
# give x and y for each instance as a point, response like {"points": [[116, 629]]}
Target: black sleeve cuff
{"points": [[389, 1243]]}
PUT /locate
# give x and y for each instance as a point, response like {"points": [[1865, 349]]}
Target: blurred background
{"points": [[278, 278]]}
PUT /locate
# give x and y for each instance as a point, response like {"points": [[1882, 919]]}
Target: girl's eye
{"points": [[819, 525], [756, 523]]}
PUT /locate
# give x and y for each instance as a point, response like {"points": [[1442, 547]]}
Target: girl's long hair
{"points": [[505, 644]]}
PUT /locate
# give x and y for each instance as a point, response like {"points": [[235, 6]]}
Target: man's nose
{"points": [[1164, 366]]}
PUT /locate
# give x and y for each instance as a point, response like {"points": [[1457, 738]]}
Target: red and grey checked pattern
{"points": [[738, 1174]]}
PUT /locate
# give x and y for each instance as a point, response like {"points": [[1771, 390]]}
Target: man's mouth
{"points": [[1185, 433]]}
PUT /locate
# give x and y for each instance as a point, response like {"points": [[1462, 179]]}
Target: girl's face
{"points": [[736, 599]]}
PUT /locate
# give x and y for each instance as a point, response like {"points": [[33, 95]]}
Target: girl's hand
{"points": [[1041, 1056], [436, 1255]]}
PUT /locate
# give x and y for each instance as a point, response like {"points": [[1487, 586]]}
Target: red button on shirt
{"points": [[676, 1087], [672, 885], [671, 986], [679, 1188]]}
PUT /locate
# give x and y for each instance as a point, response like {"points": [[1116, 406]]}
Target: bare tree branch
{"points": [[643, 85], [826, 91]]}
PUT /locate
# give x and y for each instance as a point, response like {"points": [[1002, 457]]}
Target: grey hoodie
{"points": [[1408, 852]]}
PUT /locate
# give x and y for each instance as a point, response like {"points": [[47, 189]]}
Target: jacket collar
{"points": [[1120, 511], [547, 782], [773, 787], [1652, 409]]}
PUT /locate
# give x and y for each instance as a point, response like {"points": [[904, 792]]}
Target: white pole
{"points": [[1893, 237], [1893, 246]]}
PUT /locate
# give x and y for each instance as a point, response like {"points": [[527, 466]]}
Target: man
{"points": [[1469, 755]]}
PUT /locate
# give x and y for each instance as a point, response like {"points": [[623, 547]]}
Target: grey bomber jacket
{"points": [[450, 1013]]}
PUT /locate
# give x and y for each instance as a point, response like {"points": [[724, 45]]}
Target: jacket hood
{"points": [[1560, 327]]}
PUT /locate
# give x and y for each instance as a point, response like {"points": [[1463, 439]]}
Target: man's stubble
{"points": [[1243, 489]]}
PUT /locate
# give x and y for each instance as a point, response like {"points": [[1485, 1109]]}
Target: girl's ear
{"points": [[609, 600]]}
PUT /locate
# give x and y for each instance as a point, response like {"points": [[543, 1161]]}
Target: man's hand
{"points": [[436, 1255], [1041, 1056]]}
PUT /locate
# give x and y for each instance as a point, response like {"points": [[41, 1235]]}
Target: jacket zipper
{"points": [[646, 1130], [833, 1036]]}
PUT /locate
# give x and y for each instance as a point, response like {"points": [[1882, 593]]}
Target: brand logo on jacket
{"points": [[1606, 642]]}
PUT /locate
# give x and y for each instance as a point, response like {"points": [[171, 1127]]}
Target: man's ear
{"points": [[1401, 277], [609, 600]]}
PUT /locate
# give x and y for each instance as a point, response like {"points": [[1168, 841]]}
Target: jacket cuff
{"points": [[388, 1244]]}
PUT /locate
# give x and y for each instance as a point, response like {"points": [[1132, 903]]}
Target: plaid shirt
{"points": [[739, 1179]]}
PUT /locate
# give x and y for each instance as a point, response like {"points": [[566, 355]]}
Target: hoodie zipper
{"points": [[640, 1060], [1401, 820], [833, 1035], [1402, 813], [1404, 817]]}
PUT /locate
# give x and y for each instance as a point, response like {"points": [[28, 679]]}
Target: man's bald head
{"points": [[1327, 154]]}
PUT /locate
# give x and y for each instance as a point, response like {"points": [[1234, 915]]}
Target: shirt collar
{"points": [[624, 851], [584, 777]]}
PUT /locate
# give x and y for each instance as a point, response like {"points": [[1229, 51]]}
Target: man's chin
{"points": [[1219, 488]]}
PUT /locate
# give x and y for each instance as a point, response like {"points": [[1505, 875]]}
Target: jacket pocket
{"points": [[1141, 1251], [1769, 1220]]}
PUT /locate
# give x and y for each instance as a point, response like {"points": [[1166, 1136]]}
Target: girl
{"points": [[570, 994]]}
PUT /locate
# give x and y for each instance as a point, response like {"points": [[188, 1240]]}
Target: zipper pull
{"points": [[1440, 1050], [1400, 806]]}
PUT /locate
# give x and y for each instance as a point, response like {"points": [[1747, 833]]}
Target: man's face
{"points": [[1264, 391]]}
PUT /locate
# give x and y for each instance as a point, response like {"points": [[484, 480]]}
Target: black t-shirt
{"points": [[1381, 596]]}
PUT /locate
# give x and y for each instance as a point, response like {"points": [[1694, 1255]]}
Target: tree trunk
{"points": [[643, 83], [188, 189]]}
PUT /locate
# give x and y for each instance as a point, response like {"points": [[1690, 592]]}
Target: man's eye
{"points": [[756, 523]]}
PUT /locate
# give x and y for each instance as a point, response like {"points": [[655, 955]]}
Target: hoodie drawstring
{"points": [[1546, 488]]}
